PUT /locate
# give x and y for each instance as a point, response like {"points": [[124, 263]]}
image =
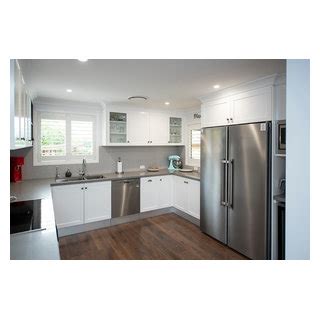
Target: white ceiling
{"points": [[180, 82]]}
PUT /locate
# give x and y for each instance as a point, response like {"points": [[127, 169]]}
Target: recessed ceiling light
{"points": [[69, 90], [216, 86], [167, 103], [83, 60]]}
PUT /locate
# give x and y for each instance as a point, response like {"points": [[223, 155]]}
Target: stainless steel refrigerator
{"points": [[235, 187]]}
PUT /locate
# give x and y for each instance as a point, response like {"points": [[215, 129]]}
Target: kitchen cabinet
{"points": [[244, 107], [215, 113], [68, 205], [81, 203], [155, 192], [20, 110], [158, 128], [252, 106], [97, 201], [186, 196], [117, 127], [138, 128], [141, 128]]}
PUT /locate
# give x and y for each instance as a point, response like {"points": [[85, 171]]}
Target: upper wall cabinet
{"points": [[20, 110], [251, 106], [215, 113], [141, 128], [246, 103]]}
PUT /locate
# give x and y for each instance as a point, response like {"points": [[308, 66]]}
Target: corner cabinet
{"points": [[141, 128], [156, 192], [186, 195], [81, 203], [20, 110]]}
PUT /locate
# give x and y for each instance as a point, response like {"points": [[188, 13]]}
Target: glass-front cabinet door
{"points": [[175, 130], [117, 127]]}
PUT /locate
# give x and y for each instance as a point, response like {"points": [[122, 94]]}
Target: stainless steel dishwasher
{"points": [[125, 197]]}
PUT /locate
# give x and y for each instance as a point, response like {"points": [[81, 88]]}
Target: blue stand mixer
{"points": [[173, 161]]}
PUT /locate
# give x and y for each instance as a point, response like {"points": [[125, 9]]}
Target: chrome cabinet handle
{"points": [[150, 180], [186, 182], [231, 174], [223, 186]]}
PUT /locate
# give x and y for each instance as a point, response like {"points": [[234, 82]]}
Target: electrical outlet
{"points": [[142, 167]]}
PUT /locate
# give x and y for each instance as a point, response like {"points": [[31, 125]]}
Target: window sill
{"points": [[60, 163]]}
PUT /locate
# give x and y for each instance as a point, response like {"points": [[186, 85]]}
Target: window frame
{"points": [[68, 115], [189, 160]]}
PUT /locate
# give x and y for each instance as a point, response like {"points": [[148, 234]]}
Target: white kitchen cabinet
{"points": [[215, 113], [180, 193], [158, 128], [138, 128], [148, 194], [76, 204], [187, 196], [165, 189], [155, 192], [247, 106], [20, 110], [143, 128], [68, 204], [194, 198], [97, 204], [252, 106]]}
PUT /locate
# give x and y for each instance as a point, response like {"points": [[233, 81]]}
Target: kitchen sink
{"points": [[91, 177], [80, 178]]}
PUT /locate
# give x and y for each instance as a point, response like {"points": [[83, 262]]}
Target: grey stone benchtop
{"points": [[132, 175]]}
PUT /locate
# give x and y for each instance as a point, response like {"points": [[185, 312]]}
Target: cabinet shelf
{"points": [[118, 133]]}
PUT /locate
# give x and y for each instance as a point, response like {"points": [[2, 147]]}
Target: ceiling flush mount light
{"points": [[137, 98], [69, 90], [167, 103], [83, 60], [216, 86]]}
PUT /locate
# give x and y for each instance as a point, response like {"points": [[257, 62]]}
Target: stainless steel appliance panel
{"points": [[213, 212], [125, 197], [248, 189]]}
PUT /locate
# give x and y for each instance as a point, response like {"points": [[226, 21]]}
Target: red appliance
{"points": [[16, 164]]}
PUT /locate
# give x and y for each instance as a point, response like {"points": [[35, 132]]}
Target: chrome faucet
{"points": [[83, 170], [57, 173]]}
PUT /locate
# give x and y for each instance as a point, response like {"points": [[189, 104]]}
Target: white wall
{"points": [[298, 160]]}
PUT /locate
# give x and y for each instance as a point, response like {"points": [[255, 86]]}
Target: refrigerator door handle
{"points": [[230, 200], [223, 182]]}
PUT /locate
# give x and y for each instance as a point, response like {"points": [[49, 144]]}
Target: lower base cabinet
{"points": [[186, 195], [81, 203], [155, 193]]}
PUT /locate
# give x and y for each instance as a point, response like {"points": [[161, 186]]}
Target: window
{"points": [[65, 138], [193, 148], [195, 144]]}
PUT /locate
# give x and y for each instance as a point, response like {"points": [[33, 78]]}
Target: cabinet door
{"points": [[159, 128], [252, 106], [165, 188], [117, 128], [180, 194], [138, 128], [175, 130], [149, 193], [68, 204], [215, 113], [97, 201], [194, 198]]}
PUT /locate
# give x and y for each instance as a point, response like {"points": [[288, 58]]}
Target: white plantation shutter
{"points": [[65, 138], [195, 144], [53, 138], [82, 138]]}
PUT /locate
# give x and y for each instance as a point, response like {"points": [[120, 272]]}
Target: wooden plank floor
{"points": [[162, 237]]}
